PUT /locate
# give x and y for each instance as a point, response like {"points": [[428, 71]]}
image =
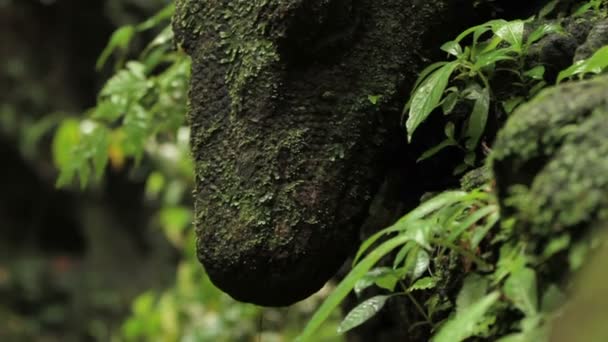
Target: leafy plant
{"points": [[469, 76], [143, 104], [447, 222], [595, 64]]}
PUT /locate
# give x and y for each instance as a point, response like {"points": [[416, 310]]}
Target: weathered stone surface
{"points": [[287, 145], [551, 158]]}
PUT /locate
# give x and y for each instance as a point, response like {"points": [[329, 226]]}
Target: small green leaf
{"points": [[594, 64], [553, 299], [491, 57], [449, 102], [66, 138], [464, 324], [512, 103], [547, 9], [421, 77], [536, 73], [512, 259], [428, 96], [556, 245], [346, 285], [520, 288], [383, 277], [424, 284], [474, 288], [374, 99], [120, 39], [421, 266], [452, 48], [362, 312], [436, 149], [449, 130], [476, 123], [542, 31], [511, 32]]}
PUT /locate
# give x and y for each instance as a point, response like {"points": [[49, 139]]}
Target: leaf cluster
{"points": [[466, 81], [143, 103]]}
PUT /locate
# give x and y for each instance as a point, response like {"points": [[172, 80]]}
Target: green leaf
{"points": [[66, 137], [512, 103], [464, 324], [536, 73], [556, 245], [547, 9], [474, 288], [424, 284], [162, 15], [427, 97], [436, 149], [383, 277], [520, 288], [373, 99], [578, 254], [553, 299], [476, 123], [120, 39], [512, 259], [421, 77], [574, 69], [491, 57], [347, 284], [470, 220], [511, 32], [452, 48], [421, 265], [412, 218], [403, 253], [449, 102], [594, 64], [362, 312], [542, 31], [480, 233]]}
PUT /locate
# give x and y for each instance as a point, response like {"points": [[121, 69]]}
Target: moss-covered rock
{"points": [[551, 158], [287, 144]]}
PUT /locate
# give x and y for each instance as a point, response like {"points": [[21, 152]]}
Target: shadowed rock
{"points": [[287, 144]]}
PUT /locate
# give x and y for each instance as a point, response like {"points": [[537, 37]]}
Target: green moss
{"points": [[551, 159], [243, 45]]}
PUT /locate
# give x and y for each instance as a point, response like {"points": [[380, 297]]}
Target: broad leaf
{"points": [[476, 124], [383, 277], [347, 284], [542, 31], [120, 40], [511, 32], [474, 288], [423, 284], [536, 73], [362, 312], [464, 324], [436, 149], [421, 77], [428, 96], [520, 288], [491, 57], [452, 48]]}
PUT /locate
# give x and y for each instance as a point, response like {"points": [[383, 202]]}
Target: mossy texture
{"points": [[287, 145], [551, 158]]}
